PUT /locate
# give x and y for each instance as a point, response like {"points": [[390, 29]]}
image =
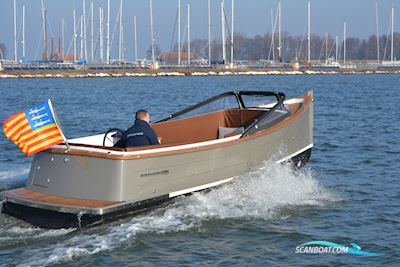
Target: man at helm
{"points": [[140, 134]]}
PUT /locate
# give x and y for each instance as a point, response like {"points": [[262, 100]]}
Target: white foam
{"points": [[260, 194], [22, 230], [25, 232]]}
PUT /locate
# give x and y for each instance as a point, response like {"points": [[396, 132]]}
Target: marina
{"points": [[97, 30], [104, 72]]}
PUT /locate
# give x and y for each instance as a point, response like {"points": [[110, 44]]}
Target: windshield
{"points": [[258, 101], [230, 100], [227, 102]]}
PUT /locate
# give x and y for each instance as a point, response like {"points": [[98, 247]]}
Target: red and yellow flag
{"points": [[34, 129]]}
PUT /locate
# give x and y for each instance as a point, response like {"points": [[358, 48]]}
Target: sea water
{"points": [[349, 193]]}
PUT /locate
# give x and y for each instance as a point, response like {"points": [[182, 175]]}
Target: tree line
{"points": [[295, 47]]}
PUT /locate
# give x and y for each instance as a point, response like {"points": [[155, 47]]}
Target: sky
{"points": [[252, 17]]}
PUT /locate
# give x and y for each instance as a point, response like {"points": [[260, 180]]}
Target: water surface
{"points": [[348, 193]]}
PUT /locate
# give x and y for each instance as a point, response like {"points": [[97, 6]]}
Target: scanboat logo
{"points": [[325, 247]]}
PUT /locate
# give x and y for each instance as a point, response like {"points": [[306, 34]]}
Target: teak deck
{"points": [[25, 194]]}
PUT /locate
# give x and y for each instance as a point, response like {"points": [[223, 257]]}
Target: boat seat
{"points": [[203, 127], [228, 131]]}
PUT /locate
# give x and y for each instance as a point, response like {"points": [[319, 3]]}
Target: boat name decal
{"points": [[163, 172]]}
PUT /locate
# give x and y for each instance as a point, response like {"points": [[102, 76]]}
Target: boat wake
{"points": [[265, 194]]}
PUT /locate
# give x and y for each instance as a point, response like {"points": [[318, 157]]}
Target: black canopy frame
{"points": [[280, 97]]}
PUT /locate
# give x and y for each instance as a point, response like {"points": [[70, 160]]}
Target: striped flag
{"points": [[34, 129]]}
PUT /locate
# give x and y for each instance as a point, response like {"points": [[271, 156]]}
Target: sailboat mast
{"points": [[108, 31], [392, 43], [309, 32], [152, 33], [101, 24], [46, 56], [337, 48], [123, 44], [15, 32], [23, 32], [84, 28], [62, 39], [279, 31], [120, 32], [223, 32], [273, 24], [377, 31], [91, 32], [82, 34], [209, 31], [179, 32], [344, 42], [134, 27], [74, 37], [188, 15], [326, 48], [232, 26], [44, 29]]}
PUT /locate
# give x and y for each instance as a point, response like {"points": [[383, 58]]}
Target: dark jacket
{"points": [[140, 134]]}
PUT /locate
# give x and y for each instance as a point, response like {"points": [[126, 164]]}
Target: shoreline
{"points": [[182, 72]]}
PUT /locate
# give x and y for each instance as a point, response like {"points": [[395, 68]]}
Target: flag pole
{"points": [[58, 125]]}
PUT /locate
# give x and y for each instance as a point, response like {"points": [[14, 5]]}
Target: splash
{"points": [[257, 195], [79, 217], [261, 194]]}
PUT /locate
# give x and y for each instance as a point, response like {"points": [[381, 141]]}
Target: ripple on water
{"points": [[13, 178]]}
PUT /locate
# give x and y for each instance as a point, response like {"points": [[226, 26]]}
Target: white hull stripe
{"points": [[198, 188], [295, 154]]}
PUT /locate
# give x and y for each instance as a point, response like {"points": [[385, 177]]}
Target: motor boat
{"points": [[86, 181]]}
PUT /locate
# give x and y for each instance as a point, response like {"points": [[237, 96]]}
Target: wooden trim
{"points": [[28, 195]]}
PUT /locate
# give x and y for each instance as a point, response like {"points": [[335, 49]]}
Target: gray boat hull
{"points": [[133, 182], [54, 218]]}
